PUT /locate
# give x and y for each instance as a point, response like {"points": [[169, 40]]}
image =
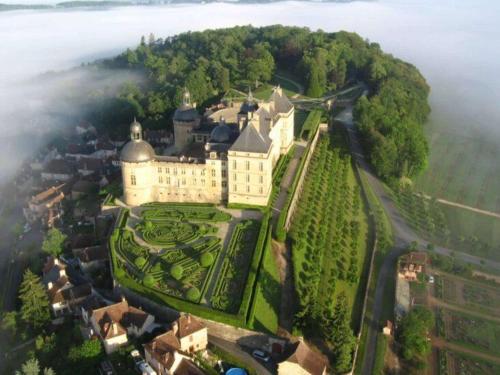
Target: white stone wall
{"points": [[250, 177], [197, 341]]}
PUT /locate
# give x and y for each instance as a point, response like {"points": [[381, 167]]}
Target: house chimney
{"points": [[50, 285], [62, 272], [56, 261], [175, 327], [115, 328]]}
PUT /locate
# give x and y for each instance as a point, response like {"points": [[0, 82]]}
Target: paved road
{"points": [[403, 236]]}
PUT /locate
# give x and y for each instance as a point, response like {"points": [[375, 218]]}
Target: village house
{"points": [[114, 324], [45, 206], [91, 258], [89, 166], [64, 296], [169, 353], [83, 188], [77, 151], [104, 149], [412, 264], [58, 170], [303, 361]]}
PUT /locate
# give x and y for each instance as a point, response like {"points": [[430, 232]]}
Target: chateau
{"points": [[224, 156]]}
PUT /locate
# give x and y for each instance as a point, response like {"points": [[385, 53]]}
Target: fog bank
{"points": [[453, 43]]}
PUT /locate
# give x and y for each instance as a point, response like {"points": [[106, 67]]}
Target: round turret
{"points": [[221, 133], [137, 150], [186, 112], [249, 105]]}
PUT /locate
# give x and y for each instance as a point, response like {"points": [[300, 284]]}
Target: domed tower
{"points": [[186, 118], [137, 158], [247, 109]]}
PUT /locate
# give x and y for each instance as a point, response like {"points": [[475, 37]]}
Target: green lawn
{"points": [[268, 295]]}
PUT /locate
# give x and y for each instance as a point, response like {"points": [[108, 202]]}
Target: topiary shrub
{"points": [[206, 259], [149, 280], [176, 271], [193, 294], [140, 262]]}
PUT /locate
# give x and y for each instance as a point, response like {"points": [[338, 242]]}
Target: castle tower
{"points": [[186, 118], [136, 159]]}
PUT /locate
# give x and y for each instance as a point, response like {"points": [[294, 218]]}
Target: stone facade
{"points": [[212, 161]]}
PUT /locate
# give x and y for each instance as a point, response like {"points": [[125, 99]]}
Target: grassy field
{"points": [[268, 295], [466, 364]]}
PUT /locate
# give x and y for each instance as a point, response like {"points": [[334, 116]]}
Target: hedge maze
{"points": [[232, 277], [183, 252]]}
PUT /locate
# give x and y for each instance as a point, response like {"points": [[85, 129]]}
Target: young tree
{"points": [[413, 333], [53, 242], [35, 303], [30, 367]]}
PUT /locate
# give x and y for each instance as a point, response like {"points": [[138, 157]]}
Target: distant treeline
{"points": [[208, 63], [68, 4]]}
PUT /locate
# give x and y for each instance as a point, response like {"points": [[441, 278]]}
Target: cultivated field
{"points": [[457, 363], [464, 168], [471, 295]]}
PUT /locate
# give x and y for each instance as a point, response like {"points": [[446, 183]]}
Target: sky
{"points": [[454, 43]]}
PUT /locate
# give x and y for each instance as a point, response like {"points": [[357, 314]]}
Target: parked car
{"points": [[106, 368], [141, 365], [260, 354]]}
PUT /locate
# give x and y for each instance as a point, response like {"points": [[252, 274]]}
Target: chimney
{"points": [[115, 328], [62, 272], [154, 345], [188, 316], [56, 261], [175, 327], [50, 285]]}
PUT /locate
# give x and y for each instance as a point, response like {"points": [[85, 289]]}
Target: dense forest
{"points": [[208, 63]]}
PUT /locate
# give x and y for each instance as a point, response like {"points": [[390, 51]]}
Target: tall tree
{"points": [[53, 242], [35, 303]]}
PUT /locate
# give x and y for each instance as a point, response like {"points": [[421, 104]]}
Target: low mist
{"points": [[453, 43]]}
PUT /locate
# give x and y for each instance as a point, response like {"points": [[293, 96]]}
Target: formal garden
{"points": [[175, 254]]}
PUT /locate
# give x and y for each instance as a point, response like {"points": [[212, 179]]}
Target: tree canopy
{"points": [[53, 243], [35, 303], [413, 332]]}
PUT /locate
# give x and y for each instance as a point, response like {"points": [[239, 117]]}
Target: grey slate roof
{"points": [[251, 140], [281, 102], [137, 151]]}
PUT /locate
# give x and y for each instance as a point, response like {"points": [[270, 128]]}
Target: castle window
{"points": [[193, 172], [159, 169], [248, 178], [247, 165], [213, 183], [224, 174], [203, 172], [260, 190], [194, 181], [234, 177], [223, 163], [175, 171], [248, 188], [184, 181], [183, 171], [133, 181], [160, 179], [202, 182], [261, 179], [224, 184], [261, 166], [168, 180], [234, 164], [213, 172], [167, 170]]}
